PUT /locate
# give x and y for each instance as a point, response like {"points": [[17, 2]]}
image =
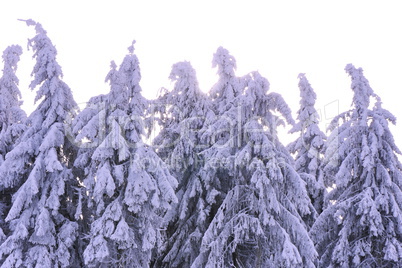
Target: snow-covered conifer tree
{"points": [[257, 198], [182, 112], [308, 147], [229, 86], [12, 118], [179, 143], [361, 227], [128, 186], [41, 223]]}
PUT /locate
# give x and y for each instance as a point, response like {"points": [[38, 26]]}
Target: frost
{"points": [[128, 189], [214, 188], [182, 111], [32, 166], [309, 147], [259, 197], [366, 187]]}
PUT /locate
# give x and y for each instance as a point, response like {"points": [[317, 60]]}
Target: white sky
{"points": [[278, 38]]}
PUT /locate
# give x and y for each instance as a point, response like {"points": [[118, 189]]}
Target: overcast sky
{"points": [[280, 39]]}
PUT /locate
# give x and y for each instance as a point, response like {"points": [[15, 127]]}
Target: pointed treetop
{"points": [[131, 48], [113, 76], [301, 75], [186, 93], [118, 94], [11, 56], [378, 102], [361, 88], [9, 81], [131, 69], [228, 86], [113, 65], [307, 93], [38, 27], [46, 66], [225, 62], [307, 115], [258, 84], [10, 111]]}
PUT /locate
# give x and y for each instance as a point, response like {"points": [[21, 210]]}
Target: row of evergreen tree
{"points": [[215, 189]]}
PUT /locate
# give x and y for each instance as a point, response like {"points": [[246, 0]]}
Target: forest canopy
{"points": [[215, 187]]}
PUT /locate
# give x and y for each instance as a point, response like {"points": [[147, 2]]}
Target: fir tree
{"points": [[182, 112], [179, 144], [308, 147], [128, 185], [12, 116], [92, 117], [361, 227], [12, 119], [229, 86], [257, 199], [42, 228]]}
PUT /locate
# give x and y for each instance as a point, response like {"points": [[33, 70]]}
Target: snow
{"points": [[214, 188], [366, 186]]}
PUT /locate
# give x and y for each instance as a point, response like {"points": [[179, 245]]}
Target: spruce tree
{"points": [[361, 227], [308, 147], [229, 86], [257, 198], [41, 223], [128, 186], [12, 119], [178, 143]]}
